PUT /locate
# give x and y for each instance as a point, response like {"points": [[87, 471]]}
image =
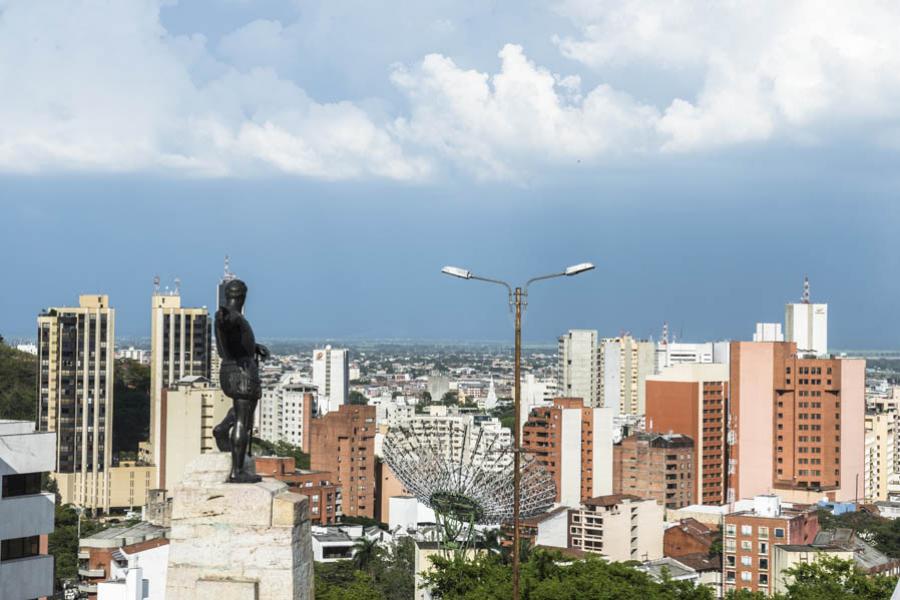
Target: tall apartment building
{"points": [[26, 513], [342, 443], [76, 349], [691, 399], [768, 332], [574, 443], [669, 354], [655, 466], [806, 324], [578, 369], [750, 539], [189, 410], [625, 364], [880, 436], [621, 527], [180, 346], [797, 424], [330, 375], [285, 411]]}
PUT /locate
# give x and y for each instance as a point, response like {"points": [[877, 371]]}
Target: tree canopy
{"points": [[18, 384]]}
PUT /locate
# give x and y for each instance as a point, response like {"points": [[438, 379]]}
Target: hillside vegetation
{"points": [[18, 388]]}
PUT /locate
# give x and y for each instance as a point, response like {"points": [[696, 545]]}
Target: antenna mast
{"points": [[805, 298]]}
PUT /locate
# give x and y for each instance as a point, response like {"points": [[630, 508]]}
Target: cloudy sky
{"points": [[706, 155]]}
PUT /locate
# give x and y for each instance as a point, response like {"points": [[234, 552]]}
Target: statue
{"points": [[239, 378]]}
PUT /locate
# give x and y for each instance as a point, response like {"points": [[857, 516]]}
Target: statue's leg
{"points": [[222, 432], [240, 438]]}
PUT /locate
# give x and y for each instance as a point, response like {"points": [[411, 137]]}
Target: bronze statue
{"points": [[239, 378]]}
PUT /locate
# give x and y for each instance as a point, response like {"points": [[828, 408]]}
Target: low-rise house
{"points": [[96, 558], [688, 536], [336, 542]]}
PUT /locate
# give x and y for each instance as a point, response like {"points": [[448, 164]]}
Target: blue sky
{"points": [[341, 153]]}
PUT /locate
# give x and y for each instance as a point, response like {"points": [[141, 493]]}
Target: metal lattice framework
{"points": [[466, 476]]}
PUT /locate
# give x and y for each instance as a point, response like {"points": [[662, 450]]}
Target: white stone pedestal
{"points": [[237, 541]]}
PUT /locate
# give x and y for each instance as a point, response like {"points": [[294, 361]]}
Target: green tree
{"points": [[18, 384], [131, 401], [831, 577], [356, 397], [281, 448], [365, 551], [450, 398], [63, 542]]}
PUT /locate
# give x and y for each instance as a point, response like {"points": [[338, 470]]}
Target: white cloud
{"points": [[117, 93], [775, 68], [523, 115]]}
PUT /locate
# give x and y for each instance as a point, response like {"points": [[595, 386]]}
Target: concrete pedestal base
{"points": [[237, 541]]}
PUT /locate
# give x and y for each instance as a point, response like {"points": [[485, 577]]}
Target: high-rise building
{"points": [[669, 354], [342, 443], [180, 346], [578, 367], [330, 375], [750, 540], [797, 423], [656, 466], [625, 364], [806, 324], [26, 513], [690, 399], [881, 433], [76, 349], [189, 410], [574, 443], [285, 410]]}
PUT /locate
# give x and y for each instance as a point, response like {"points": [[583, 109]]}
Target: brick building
{"points": [[690, 399], [343, 443], [687, 537], [750, 538], [656, 466], [574, 443], [324, 496]]}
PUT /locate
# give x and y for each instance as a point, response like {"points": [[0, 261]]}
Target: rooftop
{"points": [[124, 535], [612, 500]]}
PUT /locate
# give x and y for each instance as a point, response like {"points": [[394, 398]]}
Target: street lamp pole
{"points": [[518, 300]]}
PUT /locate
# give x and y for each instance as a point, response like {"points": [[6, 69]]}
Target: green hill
{"points": [[18, 387]]}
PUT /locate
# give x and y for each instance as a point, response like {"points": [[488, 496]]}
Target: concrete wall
{"points": [[602, 459], [752, 379], [553, 532], [570, 458], [853, 414], [26, 577]]}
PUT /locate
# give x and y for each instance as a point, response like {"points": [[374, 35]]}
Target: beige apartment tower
{"points": [[179, 347], [76, 349]]}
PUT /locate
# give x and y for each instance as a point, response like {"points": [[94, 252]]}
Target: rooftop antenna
{"points": [[228, 275], [156, 284], [665, 333], [177, 286], [805, 298]]}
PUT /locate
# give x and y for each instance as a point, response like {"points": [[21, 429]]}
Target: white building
{"points": [[625, 364], [136, 574], [285, 410], [334, 543], [490, 401], [669, 354], [26, 514], [579, 366], [331, 377], [27, 348], [768, 332], [620, 527], [807, 324]]}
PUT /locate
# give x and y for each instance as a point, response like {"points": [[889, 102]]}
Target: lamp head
{"points": [[579, 268], [457, 272]]}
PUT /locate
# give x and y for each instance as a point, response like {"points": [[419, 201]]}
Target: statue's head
{"points": [[235, 293]]}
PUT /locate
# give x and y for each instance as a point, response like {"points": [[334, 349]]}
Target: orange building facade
{"points": [[656, 466], [324, 496], [343, 443]]}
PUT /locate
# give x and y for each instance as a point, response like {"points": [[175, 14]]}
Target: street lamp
{"points": [[518, 298]]}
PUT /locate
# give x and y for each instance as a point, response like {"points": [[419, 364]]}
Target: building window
{"points": [[730, 529], [20, 548], [763, 564], [763, 548], [746, 576], [21, 485], [729, 576], [763, 579], [729, 545], [779, 532], [746, 545], [729, 560], [763, 532], [746, 530], [747, 561]]}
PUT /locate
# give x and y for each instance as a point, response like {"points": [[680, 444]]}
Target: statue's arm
{"points": [[263, 352]]}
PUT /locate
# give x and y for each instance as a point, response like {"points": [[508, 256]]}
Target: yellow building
{"points": [[189, 410], [76, 370], [179, 347], [879, 461]]}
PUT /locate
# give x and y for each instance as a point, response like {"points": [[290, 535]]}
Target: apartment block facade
{"points": [[750, 538], [330, 375], [76, 366], [285, 411], [574, 443], [342, 443], [655, 466], [578, 368], [621, 527], [881, 435], [180, 346], [26, 513], [691, 399]]}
